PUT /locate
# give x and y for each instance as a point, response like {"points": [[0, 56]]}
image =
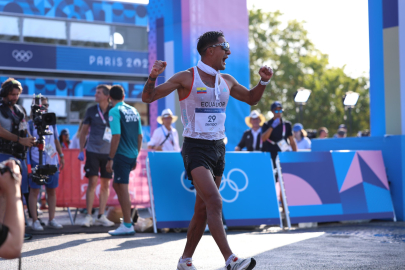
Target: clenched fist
{"points": [[158, 68], [266, 73]]}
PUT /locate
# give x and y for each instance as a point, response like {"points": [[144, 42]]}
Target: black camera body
{"points": [[42, 120]]}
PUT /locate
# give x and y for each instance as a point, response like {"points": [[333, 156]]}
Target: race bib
{"points": [[209, 119], [50, 150], [284, 146], [107, 135]]}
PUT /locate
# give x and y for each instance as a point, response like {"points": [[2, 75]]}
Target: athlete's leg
{"points": [[207, 189], [197, 225], [104, 193]]}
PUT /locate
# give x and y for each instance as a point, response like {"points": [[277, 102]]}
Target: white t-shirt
{"points": [[50, 153], [159, 135], [305, 143], [75, 142], [255, 135]]}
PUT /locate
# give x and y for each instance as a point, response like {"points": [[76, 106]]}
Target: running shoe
{"points": [[54, 225], [36, 226], [241, 264], [88, 221], [103, 221], [27, 236], [122, 230], [188, 265]]}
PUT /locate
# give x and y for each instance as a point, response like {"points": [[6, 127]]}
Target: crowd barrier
{"points": [[336, 186], [73, 184], [247, 189]]}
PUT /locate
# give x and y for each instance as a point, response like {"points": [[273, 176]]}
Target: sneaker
{"points": [[188, 265], [27, 236], [122, 230], [103, 221], [36, 226], [88, 221], [241, 264], [54, 225]]}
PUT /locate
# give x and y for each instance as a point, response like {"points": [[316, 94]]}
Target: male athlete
{"points": [[204, 94]]}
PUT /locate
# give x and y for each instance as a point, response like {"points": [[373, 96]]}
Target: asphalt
{"points": [[372, 245]]}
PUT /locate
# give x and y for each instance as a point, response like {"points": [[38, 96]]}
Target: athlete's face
{"points": [[220, 55], [13, 96]]}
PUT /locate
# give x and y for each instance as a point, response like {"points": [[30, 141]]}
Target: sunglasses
{"points": [[278, 111], [224, 46]]}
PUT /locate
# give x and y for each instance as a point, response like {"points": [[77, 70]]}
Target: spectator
{"points": [[64, 138], [50, 156], [75, 142], [341, 133], [165, 138], [251, 138], [126, 143], [277, 133], [97, 149], [12, 229], [343, 129], [364, 133], [323, 133], [300, 136]]}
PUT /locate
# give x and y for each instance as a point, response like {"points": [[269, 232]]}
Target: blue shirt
{"points": [[126, 121]]}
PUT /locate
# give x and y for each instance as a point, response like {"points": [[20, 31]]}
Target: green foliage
{"points": [[297, 63]]}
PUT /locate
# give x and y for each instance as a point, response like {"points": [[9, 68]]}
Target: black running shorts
{"points": [[96, 162], [203, 153]]}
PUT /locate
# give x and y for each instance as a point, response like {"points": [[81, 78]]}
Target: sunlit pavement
{"points": [[375, 245]]}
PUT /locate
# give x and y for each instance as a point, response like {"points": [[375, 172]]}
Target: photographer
{"points": [[13, 127], [12, 225], [50, 156]]}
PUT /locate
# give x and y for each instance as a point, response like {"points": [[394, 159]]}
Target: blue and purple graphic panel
{"points": [[336, 186], [83, 10]]}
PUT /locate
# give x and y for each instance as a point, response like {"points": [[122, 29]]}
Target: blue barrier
{"points": [[336, 186], [247, 189], [393, 151]]}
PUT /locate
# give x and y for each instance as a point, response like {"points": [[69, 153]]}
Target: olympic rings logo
{"points": [[22, 55], [233, 185], [225, 181]]}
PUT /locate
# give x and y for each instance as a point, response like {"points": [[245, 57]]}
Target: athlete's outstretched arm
{"points": [[252, 96], [150, 92]]}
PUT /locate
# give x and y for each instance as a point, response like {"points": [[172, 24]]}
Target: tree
{"points": [[297, 63]]}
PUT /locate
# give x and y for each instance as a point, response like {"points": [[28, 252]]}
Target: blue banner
{"points": [[17, 55], [98, 60], [247, 189], [336, 186], [80, 60]]}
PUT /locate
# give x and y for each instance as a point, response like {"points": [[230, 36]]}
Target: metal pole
{"points": [[301, 109], [152, 203], [280, 179]]}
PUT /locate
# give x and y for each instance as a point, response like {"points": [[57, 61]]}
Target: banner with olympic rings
{"points": [[248, 190]]}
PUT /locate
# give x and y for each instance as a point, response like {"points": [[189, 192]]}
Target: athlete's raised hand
{"points": [[158, 68], [266, 73]]}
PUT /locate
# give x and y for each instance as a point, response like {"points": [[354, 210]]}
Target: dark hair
{"points": [[8, 85], [117, 92], [208, 39], [63, 132], [106, 88]]}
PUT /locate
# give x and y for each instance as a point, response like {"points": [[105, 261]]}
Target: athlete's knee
{"points": [[214, 202]]}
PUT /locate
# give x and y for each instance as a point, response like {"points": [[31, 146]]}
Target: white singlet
{"points": [[202, 115]]}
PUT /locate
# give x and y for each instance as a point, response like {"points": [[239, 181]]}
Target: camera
{"points": [[42, 120]]}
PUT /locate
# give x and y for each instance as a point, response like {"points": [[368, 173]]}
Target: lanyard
{"points": [[164, 133], [282, 136], [101, 114]]}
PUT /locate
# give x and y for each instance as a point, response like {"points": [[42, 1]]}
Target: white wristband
{"points": [[264, 83]]}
